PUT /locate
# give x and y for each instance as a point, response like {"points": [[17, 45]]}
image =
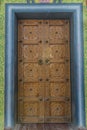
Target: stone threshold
{"points": [[44, 127]]}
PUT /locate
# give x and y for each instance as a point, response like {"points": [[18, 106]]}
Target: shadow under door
{"points": [[44, 71]]}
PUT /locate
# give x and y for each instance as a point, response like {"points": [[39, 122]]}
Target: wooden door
{"points": [[44, 71]]}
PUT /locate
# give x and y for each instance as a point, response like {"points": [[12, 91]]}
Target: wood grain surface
{"points": [[44, 93]]}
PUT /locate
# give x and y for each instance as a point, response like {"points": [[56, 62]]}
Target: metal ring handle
{"points": [[40, 61], [47, 61]]}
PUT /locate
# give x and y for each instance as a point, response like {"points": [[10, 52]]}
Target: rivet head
{"points": [[47, 99], [40, 79], [30, 109], [56, 69], [20, 60], [47, 79], [67, 60], [66, 21], [57, 108], [30, 50], [41, 99], [46, 22], [57, 89], [66, 41], [20, 41], [20, 22], [40, 41], [67, 99], [46, 41], [30, 89], [20, 80], [67, 79], [56, 32], [40, 22]]}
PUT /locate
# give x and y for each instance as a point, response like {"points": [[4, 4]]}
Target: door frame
{"points": [[73, 12]]}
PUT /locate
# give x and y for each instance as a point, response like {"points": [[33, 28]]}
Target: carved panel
{"points": [[57, 72], [30, 34], [56, 33], [33, 72], [31, 89], [31, 53], [30, 108], [57, 89], [57, 53], [57, 109]]}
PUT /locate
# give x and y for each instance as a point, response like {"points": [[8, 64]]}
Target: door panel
{"points": [[57, 53], [33, 72], [57, 72], [44, 71], [31, 53]]}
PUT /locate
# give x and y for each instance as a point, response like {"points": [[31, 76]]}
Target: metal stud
{"points": [[56, 69], [40, 22], [67, 79], [30, 51], [40, 41], [57, 108], [67, 60], [30, 109], [46, 41], [20, 41], [47, 79], [30, 89], [66, 41], [47, 99], [20, 80], [20, 60], [41, 99], [40, 79], [57, 89], [46, 22]]}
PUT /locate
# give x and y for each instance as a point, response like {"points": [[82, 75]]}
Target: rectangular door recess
{"points": [[44, 71]]}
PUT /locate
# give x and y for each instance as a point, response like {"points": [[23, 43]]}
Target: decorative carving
{"points": [[30, 34], [32, 72], [31, 53], [56, 32], [44, 71], [57, 109], [57, 53], [57, 72], [31, 108], [31, 89], [57, 89]]}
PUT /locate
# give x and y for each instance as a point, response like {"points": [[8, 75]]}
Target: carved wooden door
{"points": [[44, 71]]}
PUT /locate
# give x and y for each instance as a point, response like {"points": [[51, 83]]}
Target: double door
{"points": [[44, 71]]}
